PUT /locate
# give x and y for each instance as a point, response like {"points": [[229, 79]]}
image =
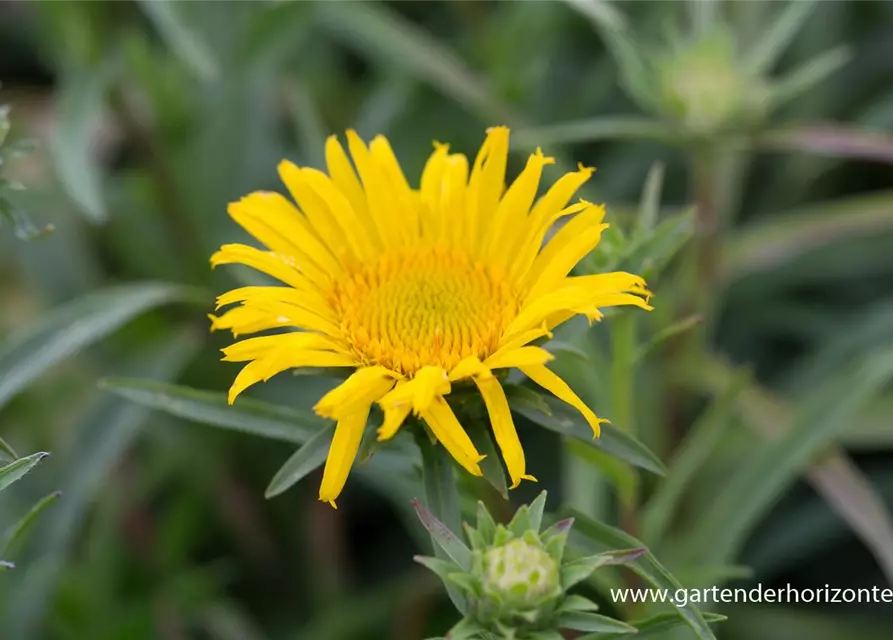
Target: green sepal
{"points": [[575, 603], [474, 537], [535, 510], [442, 568], [501, 536], [520, 522], [466, 582], [486, 526], [466, 629]]}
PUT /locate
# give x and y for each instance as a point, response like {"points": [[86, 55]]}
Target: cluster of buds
{"points": [[514, 579]]}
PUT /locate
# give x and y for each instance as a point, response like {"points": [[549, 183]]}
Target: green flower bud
{"points": [[520, 574]]}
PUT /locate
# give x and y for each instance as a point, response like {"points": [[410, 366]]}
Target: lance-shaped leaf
{"points": [[15, 471], [310, 457], [588, 621]]}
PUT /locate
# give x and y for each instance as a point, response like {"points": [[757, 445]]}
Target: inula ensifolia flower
{"points": [[416, 289]]}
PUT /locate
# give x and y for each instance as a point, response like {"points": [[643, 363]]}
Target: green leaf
{"points": [[829, 140], [668, 333], [210, 407], [17, 532], [567, 421], [578, 570], [62, 332], [102, 435], [15, 471], [808, 75], [181, 38], [648, 567], [442, 496], [23, 227], [536, 511], [7, 450], [310, 457], [574, 602], [491, 466], [79, 106], [700, 442], [649, 206], [310, 131], [443, 537], [784, 28], [466, 629], [776, 463], [602, 14], [782, 237], [441, 568], [587, 621], [383, 35], [654, 627], [596, 130]]}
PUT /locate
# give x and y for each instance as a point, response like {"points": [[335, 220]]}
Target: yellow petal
{"points": [[523, 356], [393, 419], [446, 428], [267, 367], [504, 429], [510, 218], [566, 248], [342, 453], [468, 367], [363, 387], [487, 180], [558, 387], [254, 348], [419, 392], [275, 221], [273, 264], [345, 178]]}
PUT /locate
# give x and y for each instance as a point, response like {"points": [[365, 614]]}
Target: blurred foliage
{"points": [[743, 153]]}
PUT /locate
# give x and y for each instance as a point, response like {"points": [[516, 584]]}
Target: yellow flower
{"points": [[415, 289]]}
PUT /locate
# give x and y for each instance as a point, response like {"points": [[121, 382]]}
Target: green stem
{"points": [[623, 357], [442, 497]]}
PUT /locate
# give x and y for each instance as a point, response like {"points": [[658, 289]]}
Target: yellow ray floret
{"points": [[416, 288]]}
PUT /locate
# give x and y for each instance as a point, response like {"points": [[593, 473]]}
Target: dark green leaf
{"points": [[654, 627], [210, 407], [565, 420], [593, 535], [181, 38], [64, 331], [18, 531], [587, 621], [310, 457]]}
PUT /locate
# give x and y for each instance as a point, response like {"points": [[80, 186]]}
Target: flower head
{"points": [[415, 289]]}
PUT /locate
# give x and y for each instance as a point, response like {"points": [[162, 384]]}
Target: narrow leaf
{"points": [[17, 532], [594, 535], [763, 56], [385, 36], [64, 331], [565, 420], [491, 466], [7, 450], [602, 14], [448, 541], [79, 108], [181, 38], [649, 207], [587, 621], [536, 511], [668, 333], [310, 457], [830, 139], [596, 130], [808, 75], [210, 407], [691, 455], [658, 626], [15, 471], [776, 463]]}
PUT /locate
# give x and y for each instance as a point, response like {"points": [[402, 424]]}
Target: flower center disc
{"points": [[423, 307]]}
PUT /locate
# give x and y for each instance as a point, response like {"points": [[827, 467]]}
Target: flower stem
{"points": [[441, 497]]}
